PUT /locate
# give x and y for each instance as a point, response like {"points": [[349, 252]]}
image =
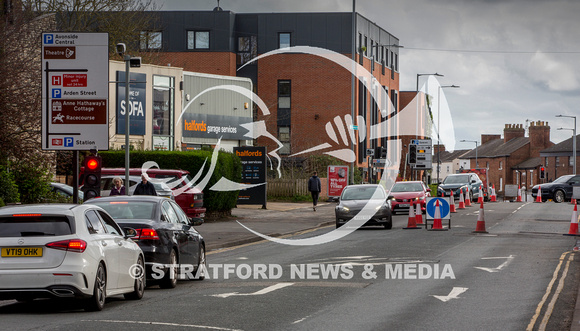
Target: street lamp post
{"points": [[414, 174], [439, 126], [573, 140], [472, 141]]}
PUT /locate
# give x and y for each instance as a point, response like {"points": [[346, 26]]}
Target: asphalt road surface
{"points": [[522, 275]]}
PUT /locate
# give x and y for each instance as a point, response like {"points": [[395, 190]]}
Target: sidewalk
{"points": [[280, 218]]}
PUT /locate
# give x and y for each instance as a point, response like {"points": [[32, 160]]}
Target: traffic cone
{"points": [[418, 214], [519, 199], [411, 224], [461, 201], [480, 195], [573, 223], [493, 197], [452, 203], [539, 196], [467, 199], [437, 224], [480, 226], [573, 201]]}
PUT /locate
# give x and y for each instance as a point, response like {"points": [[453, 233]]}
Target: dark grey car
{"points": [[354, 198]]}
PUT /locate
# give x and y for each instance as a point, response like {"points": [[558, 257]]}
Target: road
{"points": [[522, 275]]}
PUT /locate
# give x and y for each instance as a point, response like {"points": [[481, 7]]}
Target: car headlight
{"points": [[343, 208]]}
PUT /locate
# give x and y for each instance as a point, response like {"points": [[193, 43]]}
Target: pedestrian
{"points": [[118, 188], [145, 187], [314, 187]]}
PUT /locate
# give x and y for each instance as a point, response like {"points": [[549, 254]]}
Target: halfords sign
{"points": [[214, 126]]}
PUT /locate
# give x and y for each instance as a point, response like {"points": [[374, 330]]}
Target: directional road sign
{"points": [[443, 208]]}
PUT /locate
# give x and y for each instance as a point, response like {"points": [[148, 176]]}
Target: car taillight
{"points": [[146, 234], [72, 245]]}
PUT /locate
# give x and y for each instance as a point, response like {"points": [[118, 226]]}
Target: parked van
{"points": [[191, 200]]}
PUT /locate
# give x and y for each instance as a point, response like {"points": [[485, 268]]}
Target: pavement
{"points": [[278, 219]]}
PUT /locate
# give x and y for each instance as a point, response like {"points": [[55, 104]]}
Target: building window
{"points": [[247, 49], [570, 161], [283, 39], [365, 45], [500, 165], [546, 161], [284, 114], [150, 40], [163, 110], [500, 184], [557, 161], [197, 39], [284, 137]]}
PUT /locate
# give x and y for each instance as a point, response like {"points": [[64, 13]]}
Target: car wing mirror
{"points": [[196, 221], [390, 197], [428, 190], [336, 199], [130, 232]]}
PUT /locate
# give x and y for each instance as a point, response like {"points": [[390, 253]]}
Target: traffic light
{"points": [[92, 180], [542, 173], [412, 154], [380, 153]]}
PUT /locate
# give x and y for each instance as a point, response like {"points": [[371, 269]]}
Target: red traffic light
{"points": [[92, 164], [542, 169]]}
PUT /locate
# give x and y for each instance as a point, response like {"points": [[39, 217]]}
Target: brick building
{"points": [[514, 158], [304, 93], [558, 159]]}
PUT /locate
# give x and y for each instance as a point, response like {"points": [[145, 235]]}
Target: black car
{"points": [[355, 197], [468, 182], [164, 233], [559, 190]]}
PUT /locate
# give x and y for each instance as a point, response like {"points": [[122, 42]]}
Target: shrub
{"points": [[8, 188]]}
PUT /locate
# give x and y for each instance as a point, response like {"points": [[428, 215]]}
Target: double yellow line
{"points": [[550, 308]]}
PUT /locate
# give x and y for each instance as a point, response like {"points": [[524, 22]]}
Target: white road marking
{"points": [[165, 324], [498, 268], [454, 294], [260, 292]]}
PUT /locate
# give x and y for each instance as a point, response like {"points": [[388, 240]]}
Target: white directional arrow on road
{"points": [[454, 294], [498, 268], [260, 292]]}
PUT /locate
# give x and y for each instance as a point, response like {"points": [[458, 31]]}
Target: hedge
{"points": [[228, 165]]}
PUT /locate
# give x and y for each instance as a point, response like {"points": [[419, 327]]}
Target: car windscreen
{"points": [[407, 187], [35, 226], [123, 210], [456, 179], [562, 179], [361, 193]]}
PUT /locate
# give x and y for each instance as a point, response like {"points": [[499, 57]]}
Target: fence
{"points": [[292, 187]]}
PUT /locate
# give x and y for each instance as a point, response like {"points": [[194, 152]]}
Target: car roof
{"points": [[53, 208], [148, 198]]}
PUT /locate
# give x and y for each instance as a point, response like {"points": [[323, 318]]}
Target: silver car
{"points": [[355, 197]]}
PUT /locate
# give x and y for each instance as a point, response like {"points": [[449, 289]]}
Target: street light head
{"points": [[121, 49]]}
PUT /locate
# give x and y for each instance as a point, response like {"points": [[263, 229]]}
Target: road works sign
{"points": [[75, 91]]}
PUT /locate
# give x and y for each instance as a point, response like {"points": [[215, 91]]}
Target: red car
{"points": [[409, 193]]}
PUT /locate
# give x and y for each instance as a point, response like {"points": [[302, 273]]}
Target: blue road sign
{"points": [[443, 208]]}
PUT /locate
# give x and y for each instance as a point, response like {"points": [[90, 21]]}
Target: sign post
{"points": [[75, 98]]}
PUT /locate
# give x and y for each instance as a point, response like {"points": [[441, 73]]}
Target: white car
{"points": [[67, 251]]}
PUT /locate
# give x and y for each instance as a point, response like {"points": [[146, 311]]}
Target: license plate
{"points": [[404, 205], [22, 252]]}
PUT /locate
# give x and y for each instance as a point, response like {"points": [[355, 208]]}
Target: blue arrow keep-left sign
{"points": [[443, 208]]}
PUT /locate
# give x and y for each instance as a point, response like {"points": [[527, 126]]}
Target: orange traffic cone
{"points": [[539, 196], [452, 203], [573, 223], [519, 199], [461, 201], [418, 214], [493, 197], [480, 195], [437, 224], [480, 226], [573, 201], [467, 199], [411, 224]]}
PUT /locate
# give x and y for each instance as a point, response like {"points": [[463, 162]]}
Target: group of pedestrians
{"points": [[143, 188]]}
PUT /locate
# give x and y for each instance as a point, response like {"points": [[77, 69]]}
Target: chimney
{"points": [[512, 131], [437, 147], [539, 137], [489, 137]]}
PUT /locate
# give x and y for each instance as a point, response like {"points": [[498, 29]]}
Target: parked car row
{"points": [[104, 247]]}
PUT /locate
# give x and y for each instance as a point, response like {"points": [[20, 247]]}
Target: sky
{"points": [[514, 60]]}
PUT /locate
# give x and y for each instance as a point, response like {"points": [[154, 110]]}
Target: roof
{"points": [[531, 163], [450, 156], [497, 148], [565, 146]]}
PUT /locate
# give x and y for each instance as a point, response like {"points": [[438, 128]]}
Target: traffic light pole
{"points": [[75, 182]]}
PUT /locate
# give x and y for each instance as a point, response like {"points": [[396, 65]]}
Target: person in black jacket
{"points": [[314, 187], [145, 187]]}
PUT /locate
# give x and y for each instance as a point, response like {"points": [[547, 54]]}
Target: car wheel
{"points": [[559, 196], [97, 301], [139, 286], [389, 224], [201, 266], [338, 225], [170, 279]]}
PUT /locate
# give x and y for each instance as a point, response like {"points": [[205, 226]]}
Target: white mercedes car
{"points": [[67, 251]]}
